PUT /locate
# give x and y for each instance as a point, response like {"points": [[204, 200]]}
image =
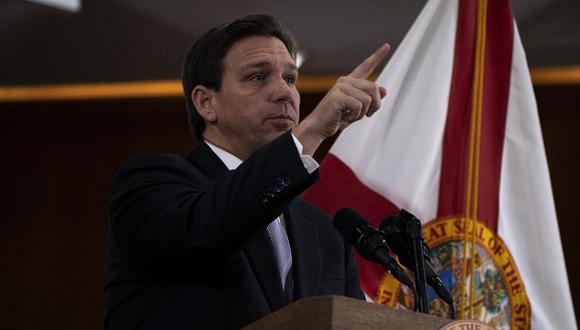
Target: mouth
{"points": [[282, 121], [282, 117]]}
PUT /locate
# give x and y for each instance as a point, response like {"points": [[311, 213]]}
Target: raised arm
{"points": [[350, 99]]}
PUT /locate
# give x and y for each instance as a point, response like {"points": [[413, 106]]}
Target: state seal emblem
{"points": [[477, 267]]}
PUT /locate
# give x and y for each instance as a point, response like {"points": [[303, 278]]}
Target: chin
{"points": [[271, 136], [279, 133]]}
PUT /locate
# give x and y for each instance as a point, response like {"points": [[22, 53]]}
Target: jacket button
{"points": [[283, 181]]}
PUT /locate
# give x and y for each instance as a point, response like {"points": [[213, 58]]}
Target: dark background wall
{"points": [[120, 40], [57, 164], [58, 158]]}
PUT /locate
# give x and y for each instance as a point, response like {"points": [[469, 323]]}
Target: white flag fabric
{"points": [[458, 143]]}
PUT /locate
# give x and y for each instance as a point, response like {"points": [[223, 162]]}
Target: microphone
{"points": [[397, 236], [369, 242]]}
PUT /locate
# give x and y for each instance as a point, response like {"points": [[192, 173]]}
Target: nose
{"points": [[282, 91]]}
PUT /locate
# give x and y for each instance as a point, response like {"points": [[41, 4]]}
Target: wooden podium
{"points": [[335, 312]]}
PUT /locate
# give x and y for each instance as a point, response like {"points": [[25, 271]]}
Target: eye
{"points": [[291, 79], [257, 77]]}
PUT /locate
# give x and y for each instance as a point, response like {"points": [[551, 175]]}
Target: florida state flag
{"points": [[458, 143]]}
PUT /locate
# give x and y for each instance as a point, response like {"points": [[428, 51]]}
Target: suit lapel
{"points": [[305, 259], [205, 160], [261, 258], [259, 250]]}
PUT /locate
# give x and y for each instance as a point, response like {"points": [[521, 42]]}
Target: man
{"points": [[218, 238]]}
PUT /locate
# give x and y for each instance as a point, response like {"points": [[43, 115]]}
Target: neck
{"points": [[219, 140]]}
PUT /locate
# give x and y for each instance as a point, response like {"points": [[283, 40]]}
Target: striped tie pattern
{"points": [[281, 247]]}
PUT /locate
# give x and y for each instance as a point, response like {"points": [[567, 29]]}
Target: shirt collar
{"points": [[232, 162]]}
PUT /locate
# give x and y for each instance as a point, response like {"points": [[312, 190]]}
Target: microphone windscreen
{"points": [[346, 221]]}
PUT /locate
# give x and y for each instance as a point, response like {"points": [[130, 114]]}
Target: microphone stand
{"points": [[416, 235]]}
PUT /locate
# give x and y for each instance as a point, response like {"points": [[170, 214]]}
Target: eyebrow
{"points": [[265, 64]]}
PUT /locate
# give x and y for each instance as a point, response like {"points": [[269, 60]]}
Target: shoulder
{"points": [[155, 164], [155, 160], [148, 168]]}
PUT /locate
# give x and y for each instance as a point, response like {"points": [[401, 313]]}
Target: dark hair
{"points": [[203, 63]]}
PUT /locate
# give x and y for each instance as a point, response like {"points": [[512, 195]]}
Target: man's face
{"points": [[258, 100]]}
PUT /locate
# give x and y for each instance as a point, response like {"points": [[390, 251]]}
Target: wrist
{"points": [[308, 136]]}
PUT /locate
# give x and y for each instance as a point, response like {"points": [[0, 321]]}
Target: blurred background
{"points": [[85, 85]]}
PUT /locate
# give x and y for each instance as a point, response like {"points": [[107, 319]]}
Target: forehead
{"points": [[256, 49]]}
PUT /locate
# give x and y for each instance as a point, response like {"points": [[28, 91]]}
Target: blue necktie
{"points": [[281, 246]]}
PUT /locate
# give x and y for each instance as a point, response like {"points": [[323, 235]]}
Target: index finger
{"points": [[364, 70]]}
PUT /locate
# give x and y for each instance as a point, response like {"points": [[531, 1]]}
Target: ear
{"points": [[201, 98]]}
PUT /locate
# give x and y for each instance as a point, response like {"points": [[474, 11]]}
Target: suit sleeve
{"points": [[167, 217]]}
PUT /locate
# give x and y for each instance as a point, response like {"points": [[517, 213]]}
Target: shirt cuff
{"points": [[308, 161]]}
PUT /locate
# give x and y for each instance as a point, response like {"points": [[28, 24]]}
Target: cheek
{"points": [[296, 97], [297, 103]]}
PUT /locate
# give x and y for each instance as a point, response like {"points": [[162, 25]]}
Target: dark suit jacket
{"points": [[188, 247]]}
